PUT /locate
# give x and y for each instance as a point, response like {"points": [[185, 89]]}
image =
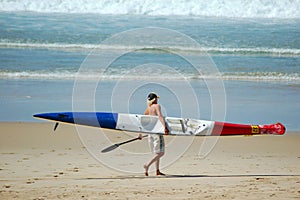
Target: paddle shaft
{"points": [[114, 146], [130, 140]]}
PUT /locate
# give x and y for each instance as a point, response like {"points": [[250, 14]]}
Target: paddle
{"points": [[114, 146], [55, 127]]}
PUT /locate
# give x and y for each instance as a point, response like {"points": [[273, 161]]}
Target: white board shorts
{"points": [[156, 143]]}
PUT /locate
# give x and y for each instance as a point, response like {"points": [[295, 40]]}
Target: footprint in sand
{"points": [[7, 186], [57, 174], [29, 181], [75, 169]]}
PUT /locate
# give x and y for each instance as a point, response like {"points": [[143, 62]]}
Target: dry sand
{"points": [[38, 164]]}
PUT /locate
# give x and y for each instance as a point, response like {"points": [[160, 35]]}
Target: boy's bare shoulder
{"points": [[156, 106]]}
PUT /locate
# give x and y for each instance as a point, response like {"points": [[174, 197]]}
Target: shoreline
{"points": [[37, 163]]}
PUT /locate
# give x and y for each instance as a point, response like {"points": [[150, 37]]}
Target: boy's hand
{"points": [[140, 136], [167, 131]]}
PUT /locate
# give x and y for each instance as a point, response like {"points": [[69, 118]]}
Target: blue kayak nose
{"points": [[96, 119], [55, 116]]}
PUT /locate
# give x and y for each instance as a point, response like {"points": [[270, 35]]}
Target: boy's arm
{"points": [[146, 113], [161, 118]]}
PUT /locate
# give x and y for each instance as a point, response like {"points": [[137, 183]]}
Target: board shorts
{"points": [[156, 143]]}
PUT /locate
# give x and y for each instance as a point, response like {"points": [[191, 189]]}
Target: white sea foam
{"points": [[216, 8], [71, 75], [91, 47]]}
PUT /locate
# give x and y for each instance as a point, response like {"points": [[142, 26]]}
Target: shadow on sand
{"points": [[257, 176]]}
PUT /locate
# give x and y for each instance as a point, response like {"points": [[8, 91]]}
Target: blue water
{"points": [[258, 60]]}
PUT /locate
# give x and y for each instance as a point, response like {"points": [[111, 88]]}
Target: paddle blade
{"points": [[55, 126], [114, 146], [110, 148]]}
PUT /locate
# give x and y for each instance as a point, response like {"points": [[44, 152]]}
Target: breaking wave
{"points": [[212, 8], [72, 75], [212, 50]]}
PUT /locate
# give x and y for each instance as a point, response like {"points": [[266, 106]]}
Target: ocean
{"points": [[61, 56]]}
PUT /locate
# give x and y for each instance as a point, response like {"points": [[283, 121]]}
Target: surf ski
{"points": [[152, 125]]}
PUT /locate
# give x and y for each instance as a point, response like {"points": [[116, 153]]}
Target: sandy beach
{"points": [[39, 164], [212, 60]]}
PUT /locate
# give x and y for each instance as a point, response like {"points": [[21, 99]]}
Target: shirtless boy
{"points": [[156, 141]]}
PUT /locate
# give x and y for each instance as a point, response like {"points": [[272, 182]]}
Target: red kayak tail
{"points": [[277, 129], [221, 128]]}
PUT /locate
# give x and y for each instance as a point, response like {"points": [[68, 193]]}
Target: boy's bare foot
{"points": [[146, 170], [158, 173]]}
